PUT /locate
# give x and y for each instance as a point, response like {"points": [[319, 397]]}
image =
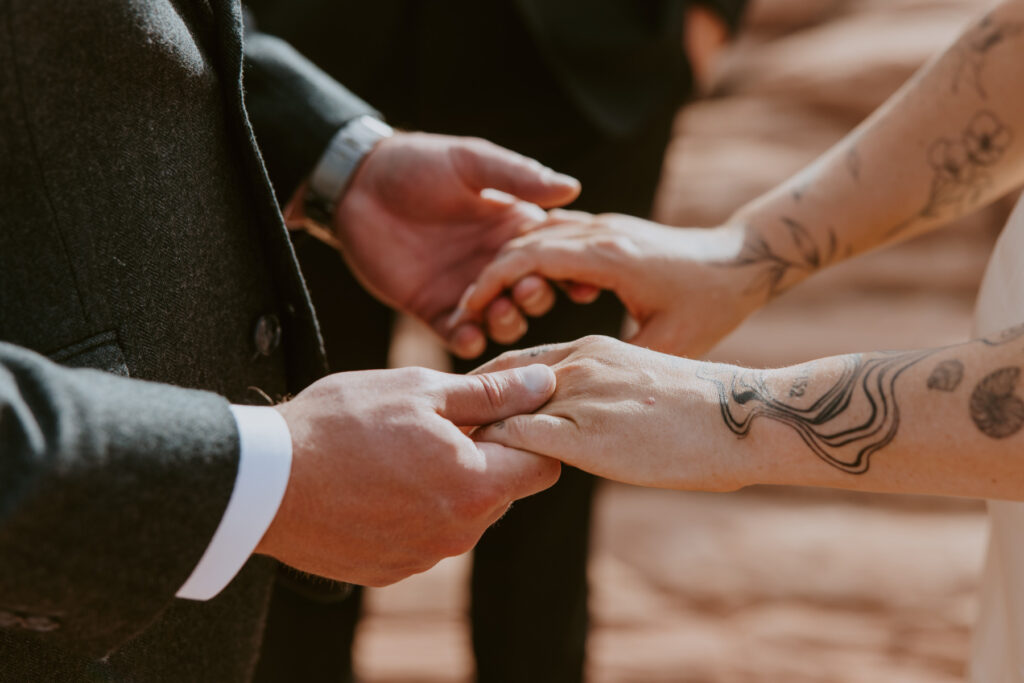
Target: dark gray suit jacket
{"points": [[139, 235]]}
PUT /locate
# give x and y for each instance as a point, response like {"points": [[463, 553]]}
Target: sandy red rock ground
{"points": [[786, 584]]}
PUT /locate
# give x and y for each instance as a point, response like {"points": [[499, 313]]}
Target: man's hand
{"points": [[686, 287], [384, 483], [425, 213]]}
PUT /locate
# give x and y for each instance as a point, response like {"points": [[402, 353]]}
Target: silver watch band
{"points": [[346, 149]]}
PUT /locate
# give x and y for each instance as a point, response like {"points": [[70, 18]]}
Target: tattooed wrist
{"points": [[790, 255]]}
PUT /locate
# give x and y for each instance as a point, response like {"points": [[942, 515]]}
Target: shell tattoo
{"points": [[995, 409]]}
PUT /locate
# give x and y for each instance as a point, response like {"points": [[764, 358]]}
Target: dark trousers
{"points": [[529, 586]]}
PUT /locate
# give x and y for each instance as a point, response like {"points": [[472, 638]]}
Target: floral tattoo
{"points": [[800, 253], [960, 166]]}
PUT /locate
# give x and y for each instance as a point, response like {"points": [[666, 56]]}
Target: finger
{"points": [[552, 259], [569, 216], [483, 165], [559, 218], [548, 354], [538, 433], [505, 324], [467, 340], [533, 295], [481, 399], [582, 294], [517, 472], [527, 213]]}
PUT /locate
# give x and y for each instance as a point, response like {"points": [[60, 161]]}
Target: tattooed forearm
{"points": [[974, 50], [843, 423], [960, 166], [800, 253]]}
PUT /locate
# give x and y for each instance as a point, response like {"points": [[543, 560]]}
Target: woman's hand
{"points": [[626, 413], [677, 283]]}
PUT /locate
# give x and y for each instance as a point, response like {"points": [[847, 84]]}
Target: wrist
{"points": [[738, 451], [709, 456], [272, 540], [777, 254], [337, 167], [733, 241]]}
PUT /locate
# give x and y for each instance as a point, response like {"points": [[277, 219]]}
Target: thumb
{"points": [[485, 165], [472, 400]]}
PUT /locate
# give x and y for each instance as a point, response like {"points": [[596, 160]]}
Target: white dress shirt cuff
{"points": [[264, 465]]}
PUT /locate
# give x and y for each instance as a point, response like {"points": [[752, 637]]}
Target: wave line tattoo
{"points": [[960, 166], [844, 425]]}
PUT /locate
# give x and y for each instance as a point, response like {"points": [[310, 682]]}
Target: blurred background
{"points": [[769, 584]]}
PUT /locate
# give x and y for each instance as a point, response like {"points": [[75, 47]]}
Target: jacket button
{"points": [[267, 336]]}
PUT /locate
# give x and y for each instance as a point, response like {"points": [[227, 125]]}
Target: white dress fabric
{"points": [[998, 648]]}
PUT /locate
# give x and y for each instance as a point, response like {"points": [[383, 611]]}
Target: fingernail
{"points": [[455, 319], [466, 296], [497, 196], [533, 212], [533, 297], [561, 178], [536, 378]]}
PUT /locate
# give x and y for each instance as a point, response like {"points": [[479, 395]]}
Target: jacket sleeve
{"points": [[294, 107], [110, 491]]}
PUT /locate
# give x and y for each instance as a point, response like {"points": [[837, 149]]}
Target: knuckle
{"points": [[515, 247], [494, 388], [616, 246], [417, 376], [594, 340]]}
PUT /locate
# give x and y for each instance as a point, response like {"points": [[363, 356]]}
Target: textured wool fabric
{"points": [[139, 235]]}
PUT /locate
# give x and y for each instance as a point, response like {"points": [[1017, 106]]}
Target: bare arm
{"points": [[933, 421], [950, 141]]}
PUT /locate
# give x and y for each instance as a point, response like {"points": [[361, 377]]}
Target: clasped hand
{"points": [[676, 283], [624, 413], [425, 213]]}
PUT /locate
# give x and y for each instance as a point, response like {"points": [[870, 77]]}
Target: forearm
{"points": [[949, 141], [121, 478], [940, 421]]}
